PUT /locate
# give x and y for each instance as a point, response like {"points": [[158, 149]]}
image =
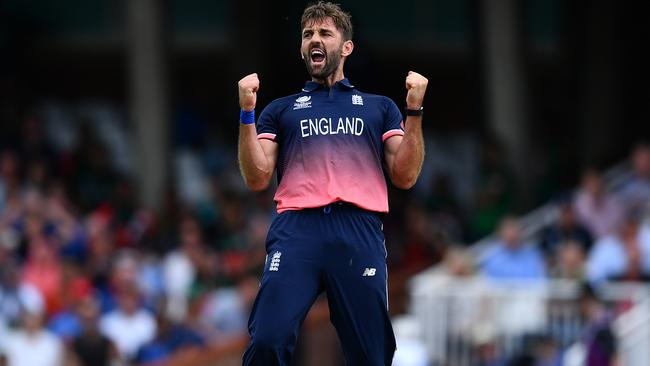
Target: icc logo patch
{"points": [[302, 102]]}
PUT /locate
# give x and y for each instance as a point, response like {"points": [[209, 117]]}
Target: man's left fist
{"points": [[416, 86]]}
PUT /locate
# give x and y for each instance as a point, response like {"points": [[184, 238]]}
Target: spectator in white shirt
{"points": [[33, 345], [614, 256], [180, 268], [129, 326]]}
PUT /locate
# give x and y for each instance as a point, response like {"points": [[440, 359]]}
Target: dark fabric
{"points": [[338, 249]]}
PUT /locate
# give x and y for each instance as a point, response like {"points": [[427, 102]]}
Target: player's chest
{"points": [[343, 115]]}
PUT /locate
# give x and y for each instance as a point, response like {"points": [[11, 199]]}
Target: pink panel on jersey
{"points": [[326, 171]]}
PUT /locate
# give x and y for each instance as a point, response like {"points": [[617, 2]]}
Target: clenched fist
{"points": [[248, 87], [416, 86]]}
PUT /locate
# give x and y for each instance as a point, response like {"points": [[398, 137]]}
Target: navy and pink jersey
{"points": [[330, 146]]}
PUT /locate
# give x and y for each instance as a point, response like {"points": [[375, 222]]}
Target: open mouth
{"points": [[317, 55]]}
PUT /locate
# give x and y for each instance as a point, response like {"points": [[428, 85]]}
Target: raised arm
{"points": [[257, 157], [404, 154]]}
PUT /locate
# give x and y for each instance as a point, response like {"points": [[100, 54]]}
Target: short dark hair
{"points": [[320, 10]]}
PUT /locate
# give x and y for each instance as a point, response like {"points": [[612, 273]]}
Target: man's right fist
{"points": [[248, 87]]}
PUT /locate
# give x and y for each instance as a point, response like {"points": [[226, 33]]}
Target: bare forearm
{"points": [[253, 163], [410, 155]]}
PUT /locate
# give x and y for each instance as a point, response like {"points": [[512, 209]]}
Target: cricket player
{"points": [[330, 145]]}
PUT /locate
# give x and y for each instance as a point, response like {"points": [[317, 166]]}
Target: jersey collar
{"points": [[310, 86]]}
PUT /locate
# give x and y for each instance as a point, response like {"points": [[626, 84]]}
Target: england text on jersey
{"points": [[331, 126]]}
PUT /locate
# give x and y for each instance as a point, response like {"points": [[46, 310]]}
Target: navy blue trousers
{"points": [[338, 249]]}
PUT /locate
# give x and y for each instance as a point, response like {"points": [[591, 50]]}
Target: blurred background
{"points": [[127, 235]]}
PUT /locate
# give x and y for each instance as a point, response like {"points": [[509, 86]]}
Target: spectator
{"points": [[600, 211], [566, 228], [66, 227], [637, 191], [101, 253], [66, 323], [33, 345], [458, 263], [15, 296], [634, 271], [598, 339], [224, 314], [90, 347], [444, 208], [424, 243], [509, 257], [569, 261], [43, 270], [179, 268], [484, 342], [538, 350], [495, 189], [129, 326], [613, 256], [170, 338]]}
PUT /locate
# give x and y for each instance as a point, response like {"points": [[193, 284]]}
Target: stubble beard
{"points": [[332, 62]]}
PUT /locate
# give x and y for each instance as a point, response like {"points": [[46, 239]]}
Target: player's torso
{"points": [[330, 146]]}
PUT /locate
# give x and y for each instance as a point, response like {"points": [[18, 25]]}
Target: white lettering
{"points": [[349, 125], [341, 126], [304, 127], [358, 126], [328, 126], [321, 125], [313, 126]]}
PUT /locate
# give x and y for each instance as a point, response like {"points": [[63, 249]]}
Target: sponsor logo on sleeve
{"points": [[275, 262]]}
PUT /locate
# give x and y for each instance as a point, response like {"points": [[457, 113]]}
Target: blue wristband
{"points": [[247, 117]]}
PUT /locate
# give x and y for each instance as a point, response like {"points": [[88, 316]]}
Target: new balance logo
{"points": [[369, 272], [357, 99], [275, 262]]}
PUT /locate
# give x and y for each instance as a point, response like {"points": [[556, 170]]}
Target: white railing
{"points": [[633, 330], [456, 316]]}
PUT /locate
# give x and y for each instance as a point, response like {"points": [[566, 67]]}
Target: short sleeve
{"points": [[393, 125], [267, 124]]}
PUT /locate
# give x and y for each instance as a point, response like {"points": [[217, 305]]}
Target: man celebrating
{"points": [[330, 144]]}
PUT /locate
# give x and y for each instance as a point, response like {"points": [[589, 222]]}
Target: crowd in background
{"points": [[598, 236], [88, 277]]}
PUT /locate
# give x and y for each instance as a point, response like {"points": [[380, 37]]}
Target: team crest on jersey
{"points": [[357, 99], [302, 102]]}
